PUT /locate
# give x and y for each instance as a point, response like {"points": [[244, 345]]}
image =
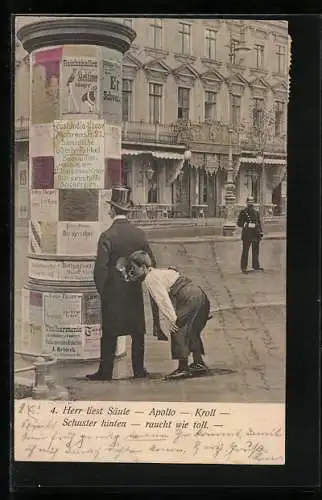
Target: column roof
{"points": [[76, 31]]}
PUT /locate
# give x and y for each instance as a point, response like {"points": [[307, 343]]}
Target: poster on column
{"points": [[44, 204], [45, 102], [79, 85], [112, 141], [41, 140], [79, 154], [62, 309], [64, 341], [22, 340], [22, 195], [91, 339], [112, 91], [104, 208], [77, 271], [62, 324], [44, 269], [36, 321], [77, 238]]}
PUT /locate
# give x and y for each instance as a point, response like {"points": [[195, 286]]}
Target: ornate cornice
{"points": [[76, 31]]}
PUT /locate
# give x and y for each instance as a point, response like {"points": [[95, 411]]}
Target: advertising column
{"points": [[75, 158]]}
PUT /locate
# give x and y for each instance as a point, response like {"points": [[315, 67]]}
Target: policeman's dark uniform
{"points": [[249, 221], [122, 304]]}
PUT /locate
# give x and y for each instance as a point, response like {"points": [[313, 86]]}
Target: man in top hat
{"points": [[252, 233], [122, 305]]}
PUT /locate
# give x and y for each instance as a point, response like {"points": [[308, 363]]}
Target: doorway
{"points": [[277, 199]]}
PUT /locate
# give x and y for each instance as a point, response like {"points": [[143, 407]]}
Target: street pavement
{"points": [[244, 341]]}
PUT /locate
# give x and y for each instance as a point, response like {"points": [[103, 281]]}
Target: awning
{"points": [[270, 161], [164, 155]]}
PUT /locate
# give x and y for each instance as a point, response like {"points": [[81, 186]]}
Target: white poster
{"points": [[112, 91], [104, 208], [22, 194], [23, 340], [79, 154], [60, 270], [44, 204], [91, 339], [22, 203], [77, 238], [44, 269], [77, 271], [62, 309], [79, 85], [63, 341], [41, 140], [113, 141]]}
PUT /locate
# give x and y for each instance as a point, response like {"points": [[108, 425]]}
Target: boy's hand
{"points": [[173, 328], [157, 332]]}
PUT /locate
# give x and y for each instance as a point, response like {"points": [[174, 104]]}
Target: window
{"points": [[183, 103], [281, 57], [258, 113], [235, 110], [157, 33], [233, 51], [185, 38], [127, 100], [155, 100], [128, 22], [210, 44], [259, 56], [210, 106], [279, 118], [153, 187]]}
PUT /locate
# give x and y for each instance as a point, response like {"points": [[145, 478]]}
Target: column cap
{"points": [[76, 31]]}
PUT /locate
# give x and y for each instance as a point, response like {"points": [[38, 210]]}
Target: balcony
{"points": [[142, 132], [273, 144], [179, 133]]}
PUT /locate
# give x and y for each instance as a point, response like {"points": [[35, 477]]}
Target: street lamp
{"points": [[230, 226]]}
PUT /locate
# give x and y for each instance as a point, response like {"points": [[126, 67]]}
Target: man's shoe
{"points": [[244, 271], [178, 374], [198, 368], [143, 374], [98, 376], [258, 269]]}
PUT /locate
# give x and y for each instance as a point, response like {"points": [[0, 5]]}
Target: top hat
{"points": [[120, 198]]}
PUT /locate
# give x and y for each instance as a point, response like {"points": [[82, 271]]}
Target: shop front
{"points": [[264, 179], [157, 189]]}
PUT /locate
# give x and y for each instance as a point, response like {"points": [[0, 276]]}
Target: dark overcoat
{"points": [[245, 217], [121, 302]]}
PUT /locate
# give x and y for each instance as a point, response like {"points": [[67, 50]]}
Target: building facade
{"points": [[199, 96]]}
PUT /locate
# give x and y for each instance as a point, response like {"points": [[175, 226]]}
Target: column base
{"points": [[62, 321]]}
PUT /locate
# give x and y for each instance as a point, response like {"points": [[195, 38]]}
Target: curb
{"points": [[206, 239]]}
